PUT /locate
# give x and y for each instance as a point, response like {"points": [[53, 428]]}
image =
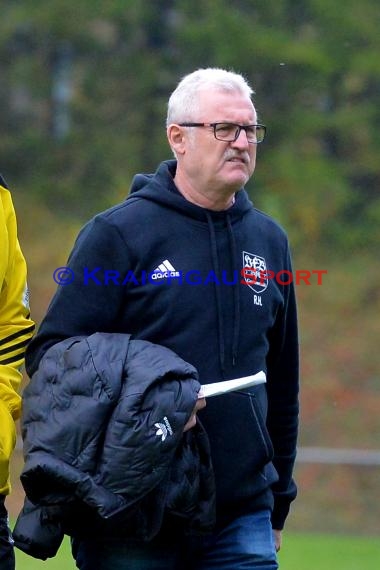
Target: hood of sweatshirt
{"points": [[160, 188]]}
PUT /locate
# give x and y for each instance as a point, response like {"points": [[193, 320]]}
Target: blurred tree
{"points": [[316, 74], [111, 121]]}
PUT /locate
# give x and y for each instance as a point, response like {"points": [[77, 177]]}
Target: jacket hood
{"points": [[160, 188]]}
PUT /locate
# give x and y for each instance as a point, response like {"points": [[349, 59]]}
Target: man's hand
{"points": [[277, 539], [201, 403]]}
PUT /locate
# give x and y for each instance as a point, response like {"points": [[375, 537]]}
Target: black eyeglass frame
{"points": [[239, 128]]}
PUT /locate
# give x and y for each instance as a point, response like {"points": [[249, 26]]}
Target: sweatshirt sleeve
{"points": [[283, 411], [16, 329], [92, 301]]}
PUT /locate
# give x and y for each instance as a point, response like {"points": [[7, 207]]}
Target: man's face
{"points": [[213, 165]]}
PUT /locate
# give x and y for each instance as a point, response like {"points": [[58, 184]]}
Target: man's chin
{"points": [[237, 173], [236, 182]]}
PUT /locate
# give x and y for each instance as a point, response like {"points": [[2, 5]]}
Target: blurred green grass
{"points": [[299, 552], [63, 560], [327, 552]]}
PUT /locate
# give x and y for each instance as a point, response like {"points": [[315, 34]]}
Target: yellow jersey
{"points": [[16, 329]]}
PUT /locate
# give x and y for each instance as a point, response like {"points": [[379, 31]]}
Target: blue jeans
{"points": [[246, 543]]}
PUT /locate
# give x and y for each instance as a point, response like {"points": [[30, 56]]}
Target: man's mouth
{"points": [[239, 159]]}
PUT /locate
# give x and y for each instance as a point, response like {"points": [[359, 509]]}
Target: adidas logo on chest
{"points": [[164, 271]]}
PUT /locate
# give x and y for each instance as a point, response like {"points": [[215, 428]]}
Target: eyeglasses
{"points": [[229, 132]]}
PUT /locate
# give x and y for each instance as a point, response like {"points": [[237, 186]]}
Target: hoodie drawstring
{"points": [[236, 326], [215, 265]]}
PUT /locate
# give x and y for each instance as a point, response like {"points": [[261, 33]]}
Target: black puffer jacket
{"points": [[104, 447]]}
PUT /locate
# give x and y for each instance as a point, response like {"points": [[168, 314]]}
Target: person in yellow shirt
{"points": [[16, 329]]}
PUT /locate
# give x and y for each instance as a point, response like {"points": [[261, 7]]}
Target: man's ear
{"points": [[176, 138]]}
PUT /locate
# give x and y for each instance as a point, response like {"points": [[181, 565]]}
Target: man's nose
{"points": [[241, 141]]}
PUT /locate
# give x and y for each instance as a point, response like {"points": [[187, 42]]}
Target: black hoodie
{"points": [[165, 270]]}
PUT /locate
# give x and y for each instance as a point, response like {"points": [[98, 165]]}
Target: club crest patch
{"points": [[254, 272]]}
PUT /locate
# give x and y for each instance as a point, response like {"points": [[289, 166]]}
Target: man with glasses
{"points": [[190, 259]]}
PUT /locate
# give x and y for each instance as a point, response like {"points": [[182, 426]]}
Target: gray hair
{"points": [[183, 102]]}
